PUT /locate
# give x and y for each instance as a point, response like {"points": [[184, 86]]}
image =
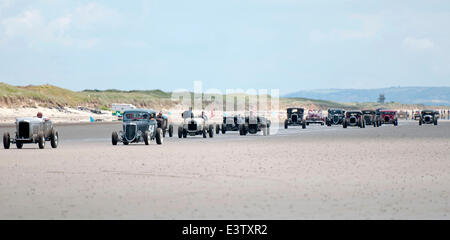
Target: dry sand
{"points": [[317, 173]]}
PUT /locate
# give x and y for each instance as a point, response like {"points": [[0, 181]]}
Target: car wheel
{"points": [[54, 138], [184, 133], [204, 133], [164, 132], [114, 138], [211, 131], [19, 145], [147, 137], [41, 141], [170, 130], [241, 130], [159, 136], [6, 140], [224, 129], [303, 125], [286, 124], [180, 131], [217, 129], [125, 142]]}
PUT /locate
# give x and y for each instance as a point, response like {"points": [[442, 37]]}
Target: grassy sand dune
{"points": [[52, 96]]}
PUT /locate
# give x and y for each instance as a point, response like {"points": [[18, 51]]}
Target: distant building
{"points": [[381, 98]]}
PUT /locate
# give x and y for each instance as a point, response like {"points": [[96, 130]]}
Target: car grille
{"points": [[192, 126], [335, 119], [386, 119], [294, 118], [24, 130], [352, 120], [130, 131]]}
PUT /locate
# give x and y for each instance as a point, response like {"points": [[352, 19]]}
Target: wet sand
{"points": [[315, 173]]}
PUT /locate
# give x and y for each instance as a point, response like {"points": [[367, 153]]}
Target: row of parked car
{"points": [[141, 125], [355, 118]]}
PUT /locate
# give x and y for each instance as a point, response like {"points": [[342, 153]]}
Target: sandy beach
{"points": [[314, 173]]}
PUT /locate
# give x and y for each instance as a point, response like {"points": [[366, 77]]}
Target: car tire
{"points": [[147, 137], [303, 124], [41, 141], [285, 124], [19, 145], [170, 130], [211, 131], [184, 133], [224, 128], [217, 129], [114, 138], [159, 136], [180, 131], [125, 142], [54, 138], [6, 140], [204, 133]]}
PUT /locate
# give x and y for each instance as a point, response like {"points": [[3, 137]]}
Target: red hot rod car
{"points": [[388, 117], [315, 116]]}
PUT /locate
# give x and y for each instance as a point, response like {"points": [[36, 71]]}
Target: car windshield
{"points": [[387, 113], [335, 111], [368, 112], [136, 116]]}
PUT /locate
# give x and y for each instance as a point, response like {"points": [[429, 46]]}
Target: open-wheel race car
{"points": [[254, 124], [294, 118], [139, 125], [193, 126], [354, 118], [335, 117], [164, 124], [371, 118], [230, 123], [315, 117], [388, 117], [428, 117], [32, 130]]}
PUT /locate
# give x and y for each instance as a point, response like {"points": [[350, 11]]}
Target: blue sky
{"points": [[285, 44]]}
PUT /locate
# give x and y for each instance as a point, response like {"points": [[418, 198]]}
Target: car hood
{"points": [[196, 120]]}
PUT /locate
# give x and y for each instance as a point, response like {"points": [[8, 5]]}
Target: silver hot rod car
{"points": [[193, 126], [32, 130], [139, 125]]}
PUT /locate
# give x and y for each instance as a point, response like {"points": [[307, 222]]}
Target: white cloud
{"points": [[31, 26], [417, 43], [370, 26]]}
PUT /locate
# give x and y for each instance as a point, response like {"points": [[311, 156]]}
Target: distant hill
{"points": [[407, 95]]}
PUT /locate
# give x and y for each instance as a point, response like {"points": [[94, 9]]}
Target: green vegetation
{"points": [[52, 96]]}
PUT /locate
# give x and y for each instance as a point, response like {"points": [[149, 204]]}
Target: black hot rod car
{"points": [[139, 125], [295, 118]]}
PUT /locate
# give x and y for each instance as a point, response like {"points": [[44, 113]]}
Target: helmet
{"points": [[39, 115]]}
